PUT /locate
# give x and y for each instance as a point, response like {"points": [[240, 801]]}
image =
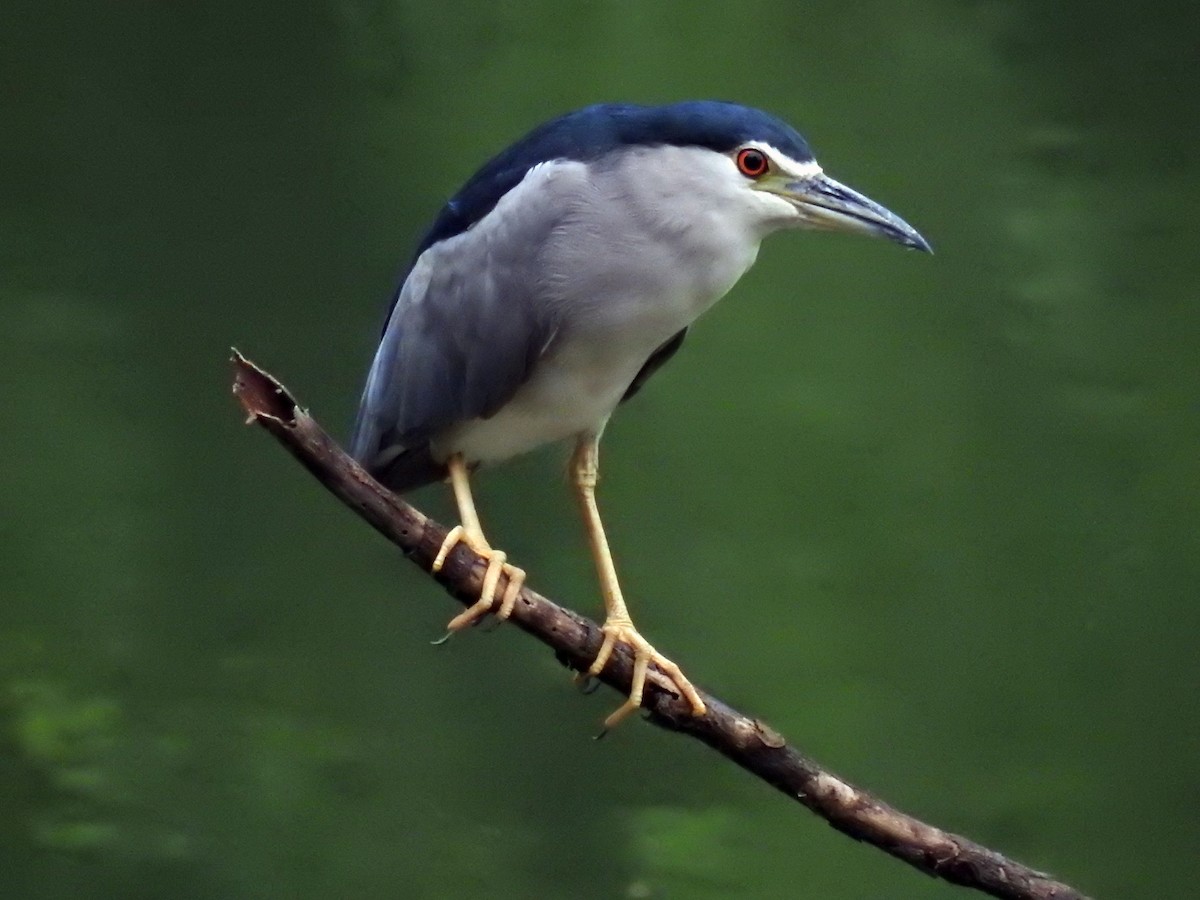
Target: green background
{"points": [[935, 519]]}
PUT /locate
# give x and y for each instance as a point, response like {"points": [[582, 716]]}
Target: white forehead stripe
{"points": [[804, 169], [798, 169]]}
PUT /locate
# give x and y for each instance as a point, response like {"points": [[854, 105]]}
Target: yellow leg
{"points": [[471, 534], [618, 626]]}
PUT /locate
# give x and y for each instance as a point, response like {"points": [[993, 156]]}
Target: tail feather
{"points": [[407, 470]]}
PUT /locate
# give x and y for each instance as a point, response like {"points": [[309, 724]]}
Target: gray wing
{"points": [[466, 330], [458, 344]]}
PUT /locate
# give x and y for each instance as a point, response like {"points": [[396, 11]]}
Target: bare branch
{"points": [[750, 743]]}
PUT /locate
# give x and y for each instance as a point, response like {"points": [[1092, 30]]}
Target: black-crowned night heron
{"points": [[564, 273]]}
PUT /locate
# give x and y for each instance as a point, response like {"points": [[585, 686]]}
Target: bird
{"points": [[562, 275]]}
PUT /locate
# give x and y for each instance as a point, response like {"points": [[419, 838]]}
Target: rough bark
{"points": [[749, 742]]}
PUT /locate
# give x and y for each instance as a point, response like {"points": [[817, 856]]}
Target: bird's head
{"points": [[759, 165], [791, 192]]}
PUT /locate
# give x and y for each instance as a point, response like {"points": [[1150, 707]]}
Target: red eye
{"points": [[752, 163]]}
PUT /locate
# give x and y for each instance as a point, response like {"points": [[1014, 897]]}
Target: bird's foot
{"points": [[670, 677], [497, 564]]}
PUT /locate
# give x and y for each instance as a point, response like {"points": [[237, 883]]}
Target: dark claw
{"points": [[600, 736], [588, 685], [489, 624]]}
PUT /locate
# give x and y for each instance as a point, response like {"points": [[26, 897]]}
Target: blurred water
{"points": [[935, 519]]}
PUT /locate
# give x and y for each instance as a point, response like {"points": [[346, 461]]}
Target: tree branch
{"points": [[750, 743]]}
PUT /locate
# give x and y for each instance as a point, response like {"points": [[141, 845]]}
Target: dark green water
{"points": [[937, 520]]}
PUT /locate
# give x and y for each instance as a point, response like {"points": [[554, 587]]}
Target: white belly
{"points": [[573, 390]]}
